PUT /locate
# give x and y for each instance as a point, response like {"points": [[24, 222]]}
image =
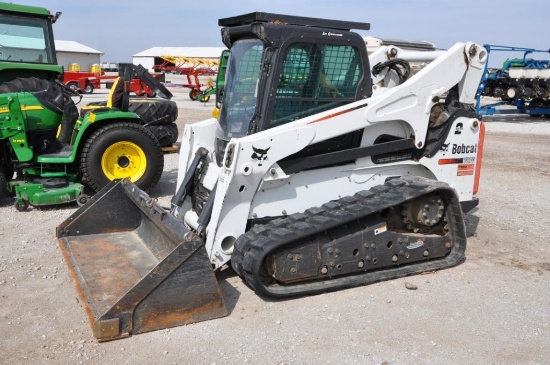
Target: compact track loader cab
{"points": [[285, 68], [321, 172]]}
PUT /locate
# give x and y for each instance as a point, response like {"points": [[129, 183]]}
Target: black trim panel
{"points": [[332, 158]]}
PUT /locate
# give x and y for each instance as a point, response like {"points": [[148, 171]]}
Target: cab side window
{"points": [[315, 78]]}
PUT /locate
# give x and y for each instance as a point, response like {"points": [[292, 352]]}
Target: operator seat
{"points": [[118, 97]]}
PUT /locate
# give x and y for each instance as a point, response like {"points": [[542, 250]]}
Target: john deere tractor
{"points": [[48, 152]]}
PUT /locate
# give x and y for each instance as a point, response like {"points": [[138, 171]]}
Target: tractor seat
{"points": [[117, 99]]}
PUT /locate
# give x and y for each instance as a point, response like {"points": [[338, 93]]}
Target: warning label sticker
{"points": [[465, 169], [380, 229]]}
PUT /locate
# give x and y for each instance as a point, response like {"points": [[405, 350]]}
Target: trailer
{"points": [[81, 81], [138, 87], [521, 86], [86, 82]]}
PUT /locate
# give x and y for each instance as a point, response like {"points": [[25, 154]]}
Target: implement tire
{"points": [[89, 88], [122, 150], [194, 94], [154, 111], [166, 134]]}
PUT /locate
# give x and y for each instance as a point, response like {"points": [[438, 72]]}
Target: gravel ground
{"points": [[492, 309]]}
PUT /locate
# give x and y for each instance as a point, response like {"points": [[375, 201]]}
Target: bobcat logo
{"points": [[259, 155], [445, 147]]}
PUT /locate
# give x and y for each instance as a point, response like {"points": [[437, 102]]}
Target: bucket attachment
{"points": [[134, 266]]}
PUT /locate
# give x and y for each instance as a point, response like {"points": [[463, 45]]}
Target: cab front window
{"points": [[25, 40], [241, 87]]}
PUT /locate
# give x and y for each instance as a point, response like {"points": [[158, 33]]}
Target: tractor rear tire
{"points": [[122, 150], [49, 94]]}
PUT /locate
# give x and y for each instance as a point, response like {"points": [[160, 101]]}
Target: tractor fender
{"points": [[92, 121]]}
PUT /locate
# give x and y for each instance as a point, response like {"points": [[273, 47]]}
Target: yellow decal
{"points": [[18, 141], [4, 110], [31, 107], [91, 117]]}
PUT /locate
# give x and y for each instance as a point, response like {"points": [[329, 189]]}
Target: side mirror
{"points": [[56, 16]]}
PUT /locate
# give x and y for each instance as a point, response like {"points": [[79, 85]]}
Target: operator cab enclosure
{"points": [[283, 68], [27, 43]]}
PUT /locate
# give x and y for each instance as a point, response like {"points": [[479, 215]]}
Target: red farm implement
{"points": [[86, 82], [193, 68]]}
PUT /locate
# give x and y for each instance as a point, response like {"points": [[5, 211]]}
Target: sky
{"points": [[121, 29]]}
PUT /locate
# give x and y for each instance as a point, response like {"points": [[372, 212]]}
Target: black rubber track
{"points": [[252, 248], [109, 134]]}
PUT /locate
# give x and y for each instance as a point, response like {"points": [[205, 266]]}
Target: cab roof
{"points": [[291, 20], [24, 9]]}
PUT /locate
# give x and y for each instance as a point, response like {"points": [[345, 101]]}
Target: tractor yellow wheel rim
{"points": [[124, 160]]}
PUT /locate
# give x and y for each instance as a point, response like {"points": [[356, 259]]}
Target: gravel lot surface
{"points": [[492, 309]]}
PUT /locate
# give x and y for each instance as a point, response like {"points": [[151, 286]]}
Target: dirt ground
{"points": [[492, 309]]}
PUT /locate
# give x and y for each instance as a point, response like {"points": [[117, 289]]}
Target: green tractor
{"points": [[49, 154]]}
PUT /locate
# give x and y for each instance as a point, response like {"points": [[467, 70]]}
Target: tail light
{"points": [[479, 156]]}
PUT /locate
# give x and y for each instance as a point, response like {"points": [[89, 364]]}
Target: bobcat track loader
{"points": [[320, 173]]}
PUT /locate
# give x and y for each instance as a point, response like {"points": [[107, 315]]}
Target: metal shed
{"points": [[71, 52]]}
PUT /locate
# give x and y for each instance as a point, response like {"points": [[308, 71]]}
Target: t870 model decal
{"points": [[453, 161]]}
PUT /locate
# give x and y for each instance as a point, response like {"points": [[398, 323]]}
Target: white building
{"points": [[71, 52], [152, 56]]}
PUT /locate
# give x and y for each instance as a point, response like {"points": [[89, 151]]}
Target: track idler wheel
{"points": [[424, 212]]}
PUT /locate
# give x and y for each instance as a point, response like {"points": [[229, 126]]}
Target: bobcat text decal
{"points": [[463, 148]]}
